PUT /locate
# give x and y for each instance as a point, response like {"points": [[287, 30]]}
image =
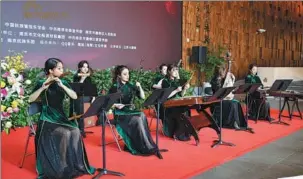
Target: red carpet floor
{"points": [[183, 160]]}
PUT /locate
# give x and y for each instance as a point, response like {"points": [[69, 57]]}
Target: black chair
{"points": [[33, 109]]}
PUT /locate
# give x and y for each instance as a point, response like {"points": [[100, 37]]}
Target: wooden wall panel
{"points": [[234, 24]]}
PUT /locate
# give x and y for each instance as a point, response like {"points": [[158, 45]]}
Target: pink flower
{"points": [[21, 92], [5, 114], [16, 110], [6, 74], [3, 92]]}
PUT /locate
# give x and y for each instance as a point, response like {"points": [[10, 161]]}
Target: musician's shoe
{"points": [[83, 134], [270, 119], [236, 126], [183, 137]]}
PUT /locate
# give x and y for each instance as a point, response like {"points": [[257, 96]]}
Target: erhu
{"points": [[179, 65]]}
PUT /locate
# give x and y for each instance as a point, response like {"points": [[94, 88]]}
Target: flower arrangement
{"points": [[13, 105]]}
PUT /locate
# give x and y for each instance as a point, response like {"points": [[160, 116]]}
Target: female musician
{"points": [[232, 111], [160, 76], [172, 118], [257, 99], [82, 76], [131, 124], [60, 151]]}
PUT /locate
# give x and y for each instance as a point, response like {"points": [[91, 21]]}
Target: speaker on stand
{"points": [[199, 56]]}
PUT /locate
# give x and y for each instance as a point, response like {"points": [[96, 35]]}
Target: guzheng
{"points": [[288, 94], [197, 122], [186, 101]]}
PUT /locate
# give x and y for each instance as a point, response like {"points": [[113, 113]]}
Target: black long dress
{"points": [[259, 107], [60, 151], [77, 105], [173, 117], [132, 124], [232, 112]]}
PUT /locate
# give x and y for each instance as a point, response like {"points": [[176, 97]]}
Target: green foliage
{"points": [[145, 78], [214, 59], [185, 74], [103, 79], [70, 75], [32, 74]]}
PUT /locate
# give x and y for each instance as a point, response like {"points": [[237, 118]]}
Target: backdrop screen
{"points": [[104, 33]]}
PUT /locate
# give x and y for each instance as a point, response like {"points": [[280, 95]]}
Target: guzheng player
{"points": [[259, 107], [173, 120]]}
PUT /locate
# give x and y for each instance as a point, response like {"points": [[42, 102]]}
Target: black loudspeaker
{"points": [[199, 54]]}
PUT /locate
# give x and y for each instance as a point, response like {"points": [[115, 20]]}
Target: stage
{"points": [[183, 160]]}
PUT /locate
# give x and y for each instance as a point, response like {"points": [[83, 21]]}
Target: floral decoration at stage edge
{"points": [[13, 98]]}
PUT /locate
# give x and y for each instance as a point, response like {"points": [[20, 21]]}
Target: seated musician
{"points": [[172, 121], [131, 124], [233, 116], [160, 76], [259, 107]]}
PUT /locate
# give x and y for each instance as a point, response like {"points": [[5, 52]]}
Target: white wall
{"points": [[269, 74]]}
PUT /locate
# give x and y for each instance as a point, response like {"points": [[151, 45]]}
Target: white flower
{"points": [[8, 124], [19, 78], [9, 110], [28, 82], [11, 80], [4, 65], [12, 71]]}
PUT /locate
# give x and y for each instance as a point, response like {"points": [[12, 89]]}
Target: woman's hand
{"points": [[59, 82], [119, 105], [45, 85], [82, 79], [186, 86], [138, 84], [179, 89]]}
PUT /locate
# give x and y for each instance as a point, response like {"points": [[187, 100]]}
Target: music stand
{"points": [[247, 89], [279, 86], [99, 107], [158, 97], [84, 89], [219, 96]]}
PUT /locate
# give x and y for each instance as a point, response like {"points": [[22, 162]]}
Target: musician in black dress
{"points": [[259, 107], [131, 124], [233, 116], [174, 117], [160, 76], [83, 75], [60, 151]]}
